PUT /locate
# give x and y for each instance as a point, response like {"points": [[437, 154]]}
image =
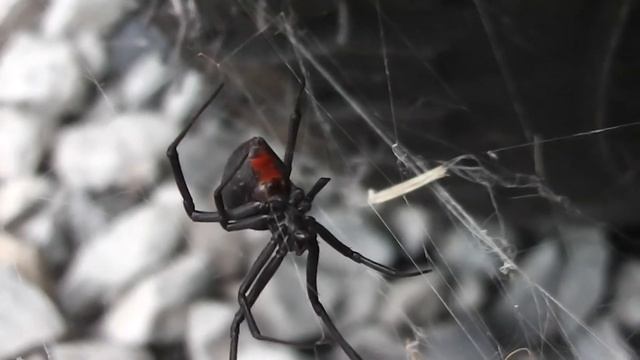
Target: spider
{"points": [[256, 193]]}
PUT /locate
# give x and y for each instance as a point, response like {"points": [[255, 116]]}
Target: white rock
{"points": [[143, 80], [414, 227], [155, 311], [452, 341], [41, 73], [7, 7], [137, 242], [265, 351], [603, 341], [184, 96], [96, 350], [20, 194], [627, 299], [21, 143], [208, 329], [92, 50], [373, 343], [124, 152], [64, 17], [29, 318], [23, 258]]}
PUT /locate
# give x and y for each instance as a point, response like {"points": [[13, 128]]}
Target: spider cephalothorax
{"points": [[256, 193]]}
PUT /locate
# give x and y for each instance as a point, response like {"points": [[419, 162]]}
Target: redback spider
{"points": [[256, 193]]}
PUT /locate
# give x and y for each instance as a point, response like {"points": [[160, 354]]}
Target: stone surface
{"points": [[413, 300], [97, 156], [413, 224], [626, 308], [373, 343], [65, 17], [155, 310], [208, 329], [137, 242], [185, 95], [584, 279], [603, 342], [29, 318], [41, 73], [523, 299], [21, 142], [143, 80], [24, 259], [21, 194], [97, 350]]}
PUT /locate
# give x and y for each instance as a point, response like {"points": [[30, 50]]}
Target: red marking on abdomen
{"points": [[265, 167]]}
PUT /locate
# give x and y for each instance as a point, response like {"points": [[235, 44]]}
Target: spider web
{"points": [[522, 314], [570, 331]]}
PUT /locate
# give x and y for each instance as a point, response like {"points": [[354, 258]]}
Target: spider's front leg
{"points": [[361, 259]]}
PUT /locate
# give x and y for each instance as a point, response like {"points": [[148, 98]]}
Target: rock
{"points": [[155, 311], [227, 250], [143, 80], [208, 329], [22, 194], [84, 216], [465, 253], [136, 243], [452, 341], [184, 97], [522, 299], [266, 351], [21, 143], [23, 259], [96, 156], [373, 343], [64, 17], [97, 350], [92, 51], [413, 299], [585, 274], [603, 341], [29, 318], [626, 308], [283, 309], [41, 73], [414, 227]]}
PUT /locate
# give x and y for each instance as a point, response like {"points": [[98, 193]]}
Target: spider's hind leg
{"points": [[318, 308]]}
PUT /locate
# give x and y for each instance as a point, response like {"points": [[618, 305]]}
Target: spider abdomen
{"points": [[260, 174]]}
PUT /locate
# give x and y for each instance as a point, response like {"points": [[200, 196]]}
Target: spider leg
{"points": [[359, 258], [257, 222], [312, 292], [294, 125], [253, 273], [172, 154], [247, 300], [321, 183]]}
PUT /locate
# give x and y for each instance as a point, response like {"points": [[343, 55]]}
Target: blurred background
{"points": [[530, 106]]}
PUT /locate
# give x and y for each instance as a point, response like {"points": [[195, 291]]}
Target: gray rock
{"points": [[143, 80], [208, 329], [452, 341], [96, 350], [96, 156], [524, 302], [229, 251], [603, 341], [64, 17], [21, 142], [373, 343], [585, 274], [92, 50], [155, 310], [413, 301], [136, 243], [626, 308], [29, 318], [41, 73], [465, 253], [19, 195]]}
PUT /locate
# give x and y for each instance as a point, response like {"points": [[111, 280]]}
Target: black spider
{"points": [[256, 193]]}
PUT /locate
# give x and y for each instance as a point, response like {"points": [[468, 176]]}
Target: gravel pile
{"points": [[98, 260]]}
